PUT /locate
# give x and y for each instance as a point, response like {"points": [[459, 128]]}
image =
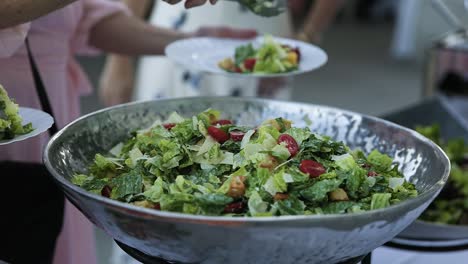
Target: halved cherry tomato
{"points": [[298, 52], [237, 135], [222, 122], [291, 143], [313, 168], [157, 206], [169, 126], [218, 134], [249, 63], [106, 191]]}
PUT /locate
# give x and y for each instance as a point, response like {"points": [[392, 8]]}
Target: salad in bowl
{"points": [[205, 165]]}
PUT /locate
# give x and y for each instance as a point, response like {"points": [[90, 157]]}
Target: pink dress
{"points": [[54, 40]]}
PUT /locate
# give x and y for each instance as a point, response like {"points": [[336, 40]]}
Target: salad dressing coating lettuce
{"points": [[206, 165], [10, 120]]}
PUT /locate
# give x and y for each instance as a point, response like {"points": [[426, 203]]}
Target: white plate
{"points": [[205, 53], [41, 122]]}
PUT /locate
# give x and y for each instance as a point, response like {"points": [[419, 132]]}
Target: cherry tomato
{"points": [[298, 52], [249, 63], [157, 206], [237, 135], [291, 144], [169, 126], [222, 122], [106, 191], [218, 134], [372, 174], [234, 208], [311, 167]]}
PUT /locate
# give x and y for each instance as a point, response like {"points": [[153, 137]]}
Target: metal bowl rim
{"points": [[171, 215]]}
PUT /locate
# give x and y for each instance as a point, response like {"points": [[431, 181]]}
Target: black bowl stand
{"points": [[143, 258], [409, 245]]}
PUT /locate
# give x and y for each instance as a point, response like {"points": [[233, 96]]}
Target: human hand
{"points": [[225, 32], [314, 38], [190, 3], [117, 81], [297, 7]]}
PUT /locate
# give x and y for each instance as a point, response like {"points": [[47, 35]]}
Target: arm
{"points": [[15, 12], [130, 36], [139, 9], [127, 35], [319, 18], [117, 80]]}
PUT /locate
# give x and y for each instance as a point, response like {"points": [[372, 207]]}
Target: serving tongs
{"points": [[265, 8]]}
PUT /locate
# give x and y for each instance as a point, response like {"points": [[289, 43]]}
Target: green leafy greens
{"points": [[451, 206], [10, 120], [207, 166]]}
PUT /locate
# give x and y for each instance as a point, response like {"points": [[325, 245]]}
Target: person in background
{"points": [[158, 77], [121, 83], [318, 17], [32, 206]]}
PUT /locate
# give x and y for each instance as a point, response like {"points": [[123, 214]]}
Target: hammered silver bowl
{"points": [[287, 239]]}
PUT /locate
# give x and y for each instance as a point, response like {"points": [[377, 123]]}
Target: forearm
{"points": [[321, 15], [127, 35], [140, 9], [15, 12]]}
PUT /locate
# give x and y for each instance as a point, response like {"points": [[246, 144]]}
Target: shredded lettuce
{"points": [[451, 206], [380, 161], [10, 120], [256, 205], [380, 200], [182, 168]]}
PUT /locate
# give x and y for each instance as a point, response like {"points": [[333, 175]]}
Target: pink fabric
{"points": [[54, 39]]}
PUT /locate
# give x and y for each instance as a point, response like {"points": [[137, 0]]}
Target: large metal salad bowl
{"points": [[290, 239]]}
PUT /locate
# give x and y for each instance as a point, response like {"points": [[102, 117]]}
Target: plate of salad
{"points": [[451, 206], [207, 165], [446, 218], [264, 56], [20, 123]]}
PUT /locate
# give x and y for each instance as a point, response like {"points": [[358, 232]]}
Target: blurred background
{"points": [[376, 52], [377, 55]]}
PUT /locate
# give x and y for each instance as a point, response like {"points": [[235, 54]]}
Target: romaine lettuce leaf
{"points": [[126, 184], [174, 118], [299, 134], [155, 192], [339, 207], [244, 52], [257, 206], [380, 200], [380, 161], [291, 206], [319, 191]]}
